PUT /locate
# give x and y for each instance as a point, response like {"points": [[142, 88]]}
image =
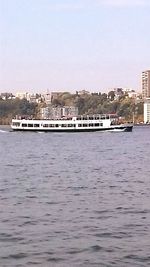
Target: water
{"points": [[75, 199]]}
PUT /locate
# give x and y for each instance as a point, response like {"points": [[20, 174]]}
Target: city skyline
{"points": [[73, 45]]}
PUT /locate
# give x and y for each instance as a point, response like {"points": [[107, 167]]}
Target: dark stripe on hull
{"points": [[125, 129], [128, 129]]}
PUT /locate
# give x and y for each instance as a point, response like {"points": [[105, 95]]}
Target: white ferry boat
{"points": [[74, 124]]}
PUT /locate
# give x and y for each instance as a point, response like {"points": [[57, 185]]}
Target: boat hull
{"points": [[76, 124], [109, 129]]}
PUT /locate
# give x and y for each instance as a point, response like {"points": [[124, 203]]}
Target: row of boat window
{"points": [[59, 125], [93, 117], [90, 125], [30, 125]]}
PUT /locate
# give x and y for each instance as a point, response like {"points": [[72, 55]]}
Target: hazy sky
{"points": [[73, 44]]}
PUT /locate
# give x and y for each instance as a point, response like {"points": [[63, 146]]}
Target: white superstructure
{"points": [[74, 124]]}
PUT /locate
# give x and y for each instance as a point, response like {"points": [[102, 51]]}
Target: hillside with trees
{"points": [[102, 103], [96, 103], [12, 107]]}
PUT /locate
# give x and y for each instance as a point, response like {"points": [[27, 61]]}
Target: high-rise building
{"points": [[146, 84], [147, 110]]}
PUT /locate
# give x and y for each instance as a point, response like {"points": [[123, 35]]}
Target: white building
{"points": [[50, 112], [47, 98], [21, 95], [147, 110], [69, 111], [31, 97], [44, 112], [146, 84]]}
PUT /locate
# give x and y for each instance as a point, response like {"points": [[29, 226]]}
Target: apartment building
{"points": [[147, 110], [50, 112], [146, 84]]}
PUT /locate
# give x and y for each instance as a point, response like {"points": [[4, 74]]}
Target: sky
{"points": [[71, 45]]}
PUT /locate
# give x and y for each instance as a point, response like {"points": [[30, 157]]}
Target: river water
{"points": [[75, 199]]}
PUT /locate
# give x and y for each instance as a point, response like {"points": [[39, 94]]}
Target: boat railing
{"points": [[79, 117], [94, 117]]}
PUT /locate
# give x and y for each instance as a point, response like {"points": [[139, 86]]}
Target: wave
{"points": [[3, 131]]}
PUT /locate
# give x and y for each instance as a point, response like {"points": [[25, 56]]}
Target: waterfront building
{"points": [[44, 113], [146, 84], [50, 112], [147, 110], [69, 111]]}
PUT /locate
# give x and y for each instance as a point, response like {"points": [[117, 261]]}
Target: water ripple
{"points": [[75, 200]]}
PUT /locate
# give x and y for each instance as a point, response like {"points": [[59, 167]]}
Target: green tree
{"points": [[111, 95]]}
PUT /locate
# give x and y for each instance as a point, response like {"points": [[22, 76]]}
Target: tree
{"points": [[80, 103], [111, 95]]}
